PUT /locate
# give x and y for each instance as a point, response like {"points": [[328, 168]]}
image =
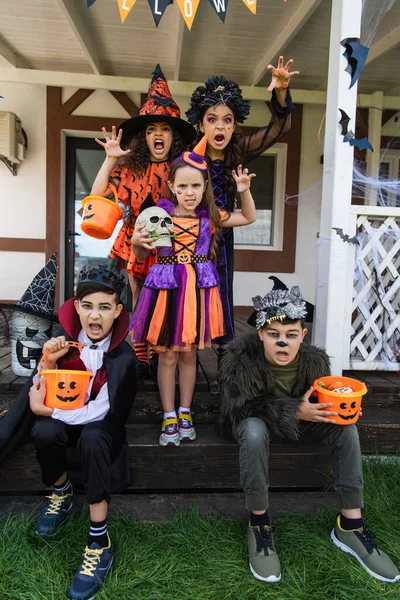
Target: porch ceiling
{"points": [[63, 35]]}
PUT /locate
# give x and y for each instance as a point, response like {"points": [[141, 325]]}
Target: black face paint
{"points": [[281, 344]]}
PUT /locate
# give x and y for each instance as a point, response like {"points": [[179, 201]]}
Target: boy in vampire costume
{"points": [[97, 320], [266, 383]]}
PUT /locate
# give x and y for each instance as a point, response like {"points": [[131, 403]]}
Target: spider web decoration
{"points": [[39, 297]]}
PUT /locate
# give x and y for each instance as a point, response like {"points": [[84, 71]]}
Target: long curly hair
{"points": [[139, 156], [233, 156], [207, 201]]}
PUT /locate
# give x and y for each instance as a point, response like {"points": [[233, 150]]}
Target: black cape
{"points": [[248, 386], [16, 425]]}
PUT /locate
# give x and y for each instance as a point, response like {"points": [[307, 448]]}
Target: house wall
{"points": [[23, 198], [27, 217]]}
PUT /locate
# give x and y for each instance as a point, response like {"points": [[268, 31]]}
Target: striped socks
{"points": [[98, 533]]}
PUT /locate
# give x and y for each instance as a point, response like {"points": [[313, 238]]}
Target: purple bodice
{"points": [[163, 276]]}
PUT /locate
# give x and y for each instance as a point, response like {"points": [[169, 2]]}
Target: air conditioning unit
{"points": [[12, 141]]}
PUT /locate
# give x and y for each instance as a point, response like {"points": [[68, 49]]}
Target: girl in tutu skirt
{"points": [[179, 309]]}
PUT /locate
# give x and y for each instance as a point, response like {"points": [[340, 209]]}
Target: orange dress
{"points": [[132, 191]]}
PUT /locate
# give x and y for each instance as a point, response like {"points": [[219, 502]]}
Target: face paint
{"points": [[281, 344]]}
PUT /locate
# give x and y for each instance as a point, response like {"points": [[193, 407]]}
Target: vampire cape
{"points": [[248, 386], [16, 425]]}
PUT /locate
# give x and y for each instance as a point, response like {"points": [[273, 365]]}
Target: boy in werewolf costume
{"points": [[266, 384]]}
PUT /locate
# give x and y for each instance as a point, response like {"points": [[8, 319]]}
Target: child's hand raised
{"points": [[112, 146], [243, 179]]}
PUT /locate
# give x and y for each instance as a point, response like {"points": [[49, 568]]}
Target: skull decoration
{"points": [[158, 224]]}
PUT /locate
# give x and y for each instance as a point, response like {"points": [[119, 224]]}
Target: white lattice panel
{"points": [[375, 323]]}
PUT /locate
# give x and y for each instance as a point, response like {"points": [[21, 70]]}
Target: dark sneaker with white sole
{"points": [[361, 544], [264, 561], [91, 574], [54, 514]]}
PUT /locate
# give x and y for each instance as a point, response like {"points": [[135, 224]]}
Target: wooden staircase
{"points": [[210, 463]]}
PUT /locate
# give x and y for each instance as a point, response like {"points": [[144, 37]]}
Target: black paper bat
{"points": [[345, 237], [356, 55], [361, 144], [344, 122]]}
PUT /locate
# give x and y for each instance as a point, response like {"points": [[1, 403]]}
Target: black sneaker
{"points": [[54, 514], [91, 574]]}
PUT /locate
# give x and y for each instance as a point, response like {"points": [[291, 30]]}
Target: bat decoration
{"points": [[362, 144], [345, 237], [356, 56], [344, 121]]}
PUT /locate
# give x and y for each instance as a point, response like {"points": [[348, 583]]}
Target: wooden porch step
{"points": [[208, 463]]}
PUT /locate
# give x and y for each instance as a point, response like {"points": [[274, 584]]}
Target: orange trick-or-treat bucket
{"points": [[65, 389], [346, 404], [100, 215]]}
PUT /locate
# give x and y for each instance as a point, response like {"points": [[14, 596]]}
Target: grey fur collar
{"points": [[248, 385]]}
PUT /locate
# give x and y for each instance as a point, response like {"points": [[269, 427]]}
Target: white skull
{"points": [[158, 224]]}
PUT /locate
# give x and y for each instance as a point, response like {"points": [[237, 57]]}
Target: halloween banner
{"points": [[251, 5], [220, 7], [125, 7], [157, 8], [188, 8]]}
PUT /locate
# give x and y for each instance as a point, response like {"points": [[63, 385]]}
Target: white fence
{"points": [[373, 333]]}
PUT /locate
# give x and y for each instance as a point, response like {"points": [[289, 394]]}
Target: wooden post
{"points": [[374, 136], [333, 253]]}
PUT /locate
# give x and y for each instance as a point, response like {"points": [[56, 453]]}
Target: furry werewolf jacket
{"points": [[248, 386]]}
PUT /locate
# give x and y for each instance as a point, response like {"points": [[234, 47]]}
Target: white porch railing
{"points": [[373, 333]]}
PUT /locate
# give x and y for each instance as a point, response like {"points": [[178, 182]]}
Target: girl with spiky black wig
{"points": [[216, 108]]}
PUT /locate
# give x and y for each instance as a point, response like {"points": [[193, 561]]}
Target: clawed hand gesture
{"points": [[242, 178], [280, 75], [112, 145]]}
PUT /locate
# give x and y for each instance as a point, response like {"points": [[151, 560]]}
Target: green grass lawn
{"points": [[197, 558]]}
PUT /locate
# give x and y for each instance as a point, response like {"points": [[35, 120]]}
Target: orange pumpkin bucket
{"points": [[100, 215], [346, 404], [65, 389]]}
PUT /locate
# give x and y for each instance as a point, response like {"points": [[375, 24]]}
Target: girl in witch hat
{"points": [[137, 162], [179, 309], [216, 108]]}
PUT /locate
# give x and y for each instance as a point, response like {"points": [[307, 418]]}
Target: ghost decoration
{"points": [[31, 324], [157, 223]]}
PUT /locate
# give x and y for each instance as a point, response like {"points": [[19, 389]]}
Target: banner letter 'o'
{"points": [[188, 8]]}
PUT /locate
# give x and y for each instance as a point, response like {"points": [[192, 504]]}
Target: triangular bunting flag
{"points": [[251, 5], [188, 9], [220, 7], [90, 2], [125, 7], [157, 8]]}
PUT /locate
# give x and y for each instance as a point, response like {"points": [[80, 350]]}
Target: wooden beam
{"points": [[22, 245], [384, 44], [180, 31], [11, 57], [82, 34], [125, 102], [294, 24], [76, 100], [387, 115], [178, 88]]}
